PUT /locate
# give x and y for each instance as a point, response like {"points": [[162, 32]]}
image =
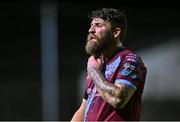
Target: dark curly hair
{"points": [[114, 16]]}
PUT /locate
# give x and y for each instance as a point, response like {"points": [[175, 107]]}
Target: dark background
{"points": [[149, 24]]}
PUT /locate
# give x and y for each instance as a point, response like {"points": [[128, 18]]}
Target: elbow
{"points": [[118, 103]]}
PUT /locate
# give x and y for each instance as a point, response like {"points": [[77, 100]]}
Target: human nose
{"points": [[92, 29]]}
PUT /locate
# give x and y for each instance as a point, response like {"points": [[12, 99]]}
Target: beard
{"points": [[96, 45]]}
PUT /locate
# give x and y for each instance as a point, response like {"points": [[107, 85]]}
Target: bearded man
{"points": [[115, 75]]}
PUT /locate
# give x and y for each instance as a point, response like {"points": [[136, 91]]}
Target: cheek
{"points": [[100, 34], [100, 30]]}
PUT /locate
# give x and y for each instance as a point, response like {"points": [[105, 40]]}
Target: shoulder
{"points": [[130, 56], [131, 59]]}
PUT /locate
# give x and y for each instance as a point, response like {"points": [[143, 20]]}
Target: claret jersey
{"points": [[125, 67]]}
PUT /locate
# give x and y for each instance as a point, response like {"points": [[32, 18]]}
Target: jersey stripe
{"points": [[125, 82]]}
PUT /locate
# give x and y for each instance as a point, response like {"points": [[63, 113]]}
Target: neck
{"points": [[111, 51]]}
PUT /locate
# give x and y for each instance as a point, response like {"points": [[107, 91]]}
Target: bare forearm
{"points": [[110, 92], [116, 94]]}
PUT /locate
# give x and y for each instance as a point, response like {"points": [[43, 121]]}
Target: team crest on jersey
{"points": [[111, 68]]}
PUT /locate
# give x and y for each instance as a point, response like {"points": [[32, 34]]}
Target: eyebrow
{"points": [[98, 21]]}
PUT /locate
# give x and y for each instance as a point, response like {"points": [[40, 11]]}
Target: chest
{"points": [[111, 69]]}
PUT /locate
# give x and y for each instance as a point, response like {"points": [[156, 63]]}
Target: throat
{"points": [[109, 54]]}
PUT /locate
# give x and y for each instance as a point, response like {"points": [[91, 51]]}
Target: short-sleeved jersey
{"points": [[125, 67]]}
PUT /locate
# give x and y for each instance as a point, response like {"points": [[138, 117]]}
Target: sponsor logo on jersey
{"points": [[128, 69]]}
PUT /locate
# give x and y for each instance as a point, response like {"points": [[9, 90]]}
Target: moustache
{"points": [[91, 36]]}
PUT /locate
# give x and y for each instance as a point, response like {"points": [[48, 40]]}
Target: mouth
{"points": [[92, 37]]}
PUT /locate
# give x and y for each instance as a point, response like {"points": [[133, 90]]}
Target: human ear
{"points": [[117, 32]]}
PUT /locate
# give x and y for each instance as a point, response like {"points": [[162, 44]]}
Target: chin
{"points": [[90, 49]]}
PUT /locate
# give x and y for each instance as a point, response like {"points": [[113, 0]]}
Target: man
{"points": [[115, 75]]}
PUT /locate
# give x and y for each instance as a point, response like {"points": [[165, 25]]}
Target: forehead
{"points": [[98, 20]]}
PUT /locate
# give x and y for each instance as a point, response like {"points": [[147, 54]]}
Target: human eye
{"points": [[99, 24]]}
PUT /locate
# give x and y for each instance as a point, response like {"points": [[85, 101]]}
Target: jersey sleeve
{"points": [[88, 83], [85, 95], [130, 71]]}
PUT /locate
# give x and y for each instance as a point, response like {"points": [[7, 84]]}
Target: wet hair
{"points": [[115, 17]]}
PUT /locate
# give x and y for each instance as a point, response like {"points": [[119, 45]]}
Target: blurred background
{"points": [[43, 60]]}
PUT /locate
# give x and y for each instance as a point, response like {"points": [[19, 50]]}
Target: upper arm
{"points": [[83, 105], [129, 77], [126, 93]]}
